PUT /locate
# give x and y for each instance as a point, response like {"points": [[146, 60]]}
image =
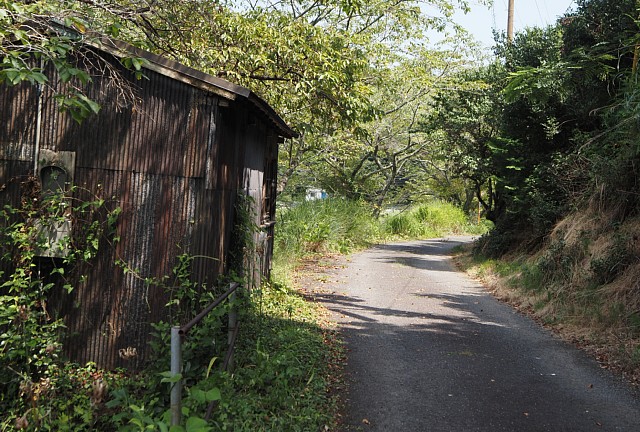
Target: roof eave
{"points": [[188, 75]]}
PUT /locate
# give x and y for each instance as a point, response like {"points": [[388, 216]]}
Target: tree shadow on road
{"points": [[424, 255], [482, 370]]}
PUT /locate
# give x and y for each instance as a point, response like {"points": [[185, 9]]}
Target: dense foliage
{"points": [[37, 385], [553, 122], [385, 119], [554, 156]]}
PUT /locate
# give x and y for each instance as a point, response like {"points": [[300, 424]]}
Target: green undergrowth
{"points": [[280, 380], [314, 228], [321, 227], [325, 225], [431, 219], [283, 379]]}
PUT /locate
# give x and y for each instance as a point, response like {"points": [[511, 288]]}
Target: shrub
{"points": [[432, 219], [37, 386], [332, 225], [405, 225]]}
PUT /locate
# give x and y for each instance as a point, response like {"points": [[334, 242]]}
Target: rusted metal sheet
{"points": [[18, 119], [173, 161]]}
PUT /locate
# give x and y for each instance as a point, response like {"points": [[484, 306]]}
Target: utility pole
{"points": [[510, 22]]}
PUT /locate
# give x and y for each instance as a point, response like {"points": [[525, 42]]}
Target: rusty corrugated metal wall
{"points": [[173, 162], [260, 171]]}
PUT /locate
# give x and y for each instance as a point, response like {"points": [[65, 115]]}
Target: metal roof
{"points": [[188, 75]]}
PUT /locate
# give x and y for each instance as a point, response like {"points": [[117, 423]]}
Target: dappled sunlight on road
{"points": [[430, 350]]}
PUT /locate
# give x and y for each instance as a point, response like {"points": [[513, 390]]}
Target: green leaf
{"points": [[196, 424], [12, 76], [199, 395], [213, 395], [94, 107], [169, 377]]}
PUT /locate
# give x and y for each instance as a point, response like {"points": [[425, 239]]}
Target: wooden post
{"points": [[510, 22], [233, 322]]}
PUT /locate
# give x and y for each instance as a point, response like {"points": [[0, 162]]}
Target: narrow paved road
{"points": [[429, 350]]}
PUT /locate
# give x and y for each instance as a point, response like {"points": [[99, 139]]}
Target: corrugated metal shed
{"points": [[173, 161]]}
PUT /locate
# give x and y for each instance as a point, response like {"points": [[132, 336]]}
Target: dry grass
{"points": [[600, 318], [625, 290], [584, 283], [572, 228]]}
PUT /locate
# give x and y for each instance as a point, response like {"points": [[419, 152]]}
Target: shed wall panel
{"points": [[173, 161], [163, 132], [18, 119]]}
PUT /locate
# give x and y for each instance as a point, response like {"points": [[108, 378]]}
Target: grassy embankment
{"points": [[584, 283], [340, 226]]}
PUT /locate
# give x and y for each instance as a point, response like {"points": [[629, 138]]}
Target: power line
{"points": [[493, 12], [540, 14], [569, 7], [547, 10]]}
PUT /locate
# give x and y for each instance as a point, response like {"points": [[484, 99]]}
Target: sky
{"points": [[527, 13]]}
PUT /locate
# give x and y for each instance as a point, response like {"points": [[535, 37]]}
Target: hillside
{"points": [[583, 283]]}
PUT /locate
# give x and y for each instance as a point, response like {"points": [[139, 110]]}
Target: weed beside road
{"points": [[579, 309]]}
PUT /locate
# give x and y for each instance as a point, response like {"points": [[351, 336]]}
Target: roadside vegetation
{"points": [[543, 140], [312, 228], [582, 284], [284, 367], [559, 159]]}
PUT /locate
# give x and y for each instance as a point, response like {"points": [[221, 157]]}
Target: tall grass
{"points": [[432, 219], [342, 226], [323, 226]]}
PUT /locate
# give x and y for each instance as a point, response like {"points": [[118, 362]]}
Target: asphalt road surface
{"points": [[430, 350]]}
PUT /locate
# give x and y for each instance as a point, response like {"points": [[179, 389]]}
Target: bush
{"points": [[332, 225], [37, 386], [432, 219], [405, 225]]}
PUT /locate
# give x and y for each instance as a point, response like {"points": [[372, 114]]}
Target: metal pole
{"points": [[36, 155], [176, 350], [176, 369]]}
